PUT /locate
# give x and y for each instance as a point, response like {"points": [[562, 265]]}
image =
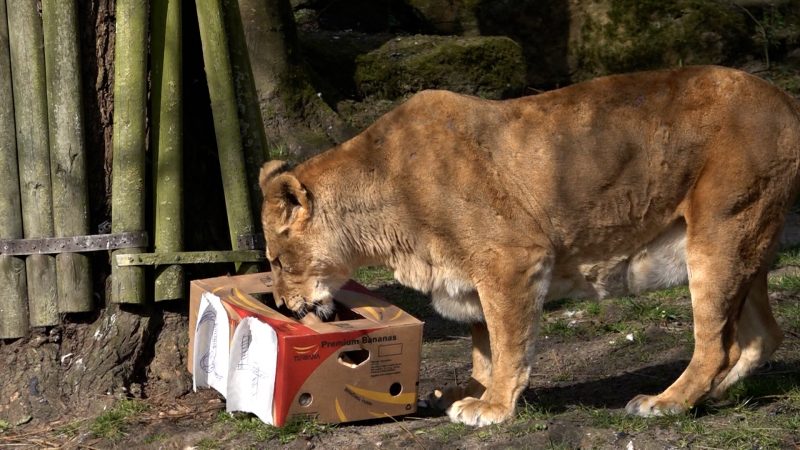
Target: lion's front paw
{"points": [[476, 412], [654, 405]]}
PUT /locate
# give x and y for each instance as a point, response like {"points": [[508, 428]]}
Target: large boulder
{"points": [[487, 66], [612, 36]]}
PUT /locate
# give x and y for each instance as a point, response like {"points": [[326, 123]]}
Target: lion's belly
{"points": [[660, 264]]}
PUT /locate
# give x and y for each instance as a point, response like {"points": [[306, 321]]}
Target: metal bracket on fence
{"points": [[74, 244], [251, 242], [203, 257]]}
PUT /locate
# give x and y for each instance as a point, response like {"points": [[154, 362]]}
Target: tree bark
{"points": [[296, 120]]}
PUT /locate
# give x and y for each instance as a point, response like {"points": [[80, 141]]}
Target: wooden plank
{"points": [[33, 153], [129, 140], [76, 244], [202, 257], [67, 153], [167, 143], [226, 125], [14, 302]]}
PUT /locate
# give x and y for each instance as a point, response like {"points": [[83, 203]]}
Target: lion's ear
{"points": [[268, 171], [289, 198]]}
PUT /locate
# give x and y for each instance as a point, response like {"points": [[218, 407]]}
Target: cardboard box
{"points": [[362, 366]]}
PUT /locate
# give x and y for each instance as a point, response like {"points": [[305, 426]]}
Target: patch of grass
{"points": [[559, 446], [559, 328], [563, 377], [486, 433], [788, 257], [372, 275], [789, 314], [593, 308], [258, 430], [614, 420], [616, 327], [686, 423], [450, 431], [70, 429], [4, 426], [281, 152], [562, 304], [531, 411], [784, 385], [669, 293], [153, 438], [751, 430], [645, 310], [112, 423], [785, 283], [208, 444]]}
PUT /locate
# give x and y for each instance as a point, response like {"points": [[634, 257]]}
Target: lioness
{"points": [[618, 184]]}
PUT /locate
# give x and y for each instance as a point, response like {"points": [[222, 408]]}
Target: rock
{"points": [[626, 35], [448, 16], [490, 67]]}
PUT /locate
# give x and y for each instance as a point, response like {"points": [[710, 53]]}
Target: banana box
{"points": [[363, 365]]}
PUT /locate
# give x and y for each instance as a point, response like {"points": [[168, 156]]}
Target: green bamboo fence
{"points": [[251, 127], [130, 108], [167, 143], [14, 302], [33, 153], [67, 152], [226, 124]]}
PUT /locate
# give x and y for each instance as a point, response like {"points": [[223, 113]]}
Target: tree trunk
{"points": [[296, 120]]}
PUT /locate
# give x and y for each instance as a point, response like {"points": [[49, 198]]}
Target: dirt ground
{"points": [[592, 358]]}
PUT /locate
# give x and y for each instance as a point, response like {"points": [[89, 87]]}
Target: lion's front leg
{"points": [[512, 302]]}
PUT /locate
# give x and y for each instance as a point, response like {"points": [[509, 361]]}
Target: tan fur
{"points": [[616, 185]]}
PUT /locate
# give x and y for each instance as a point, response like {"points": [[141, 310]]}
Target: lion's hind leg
{"points": [[442, 399], [758, 335], [730, 233]]}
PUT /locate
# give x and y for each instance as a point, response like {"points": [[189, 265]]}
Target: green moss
{"points": [[644, 34], [491, 67]]}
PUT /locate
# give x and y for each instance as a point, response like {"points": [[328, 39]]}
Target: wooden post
{"points": [[67, 153], [14, 302], [128, 168], [250, 125], [166, 96], [226, 124], [33, 154]]}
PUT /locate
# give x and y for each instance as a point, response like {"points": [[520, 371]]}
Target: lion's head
{"points": [[307, 266]]}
